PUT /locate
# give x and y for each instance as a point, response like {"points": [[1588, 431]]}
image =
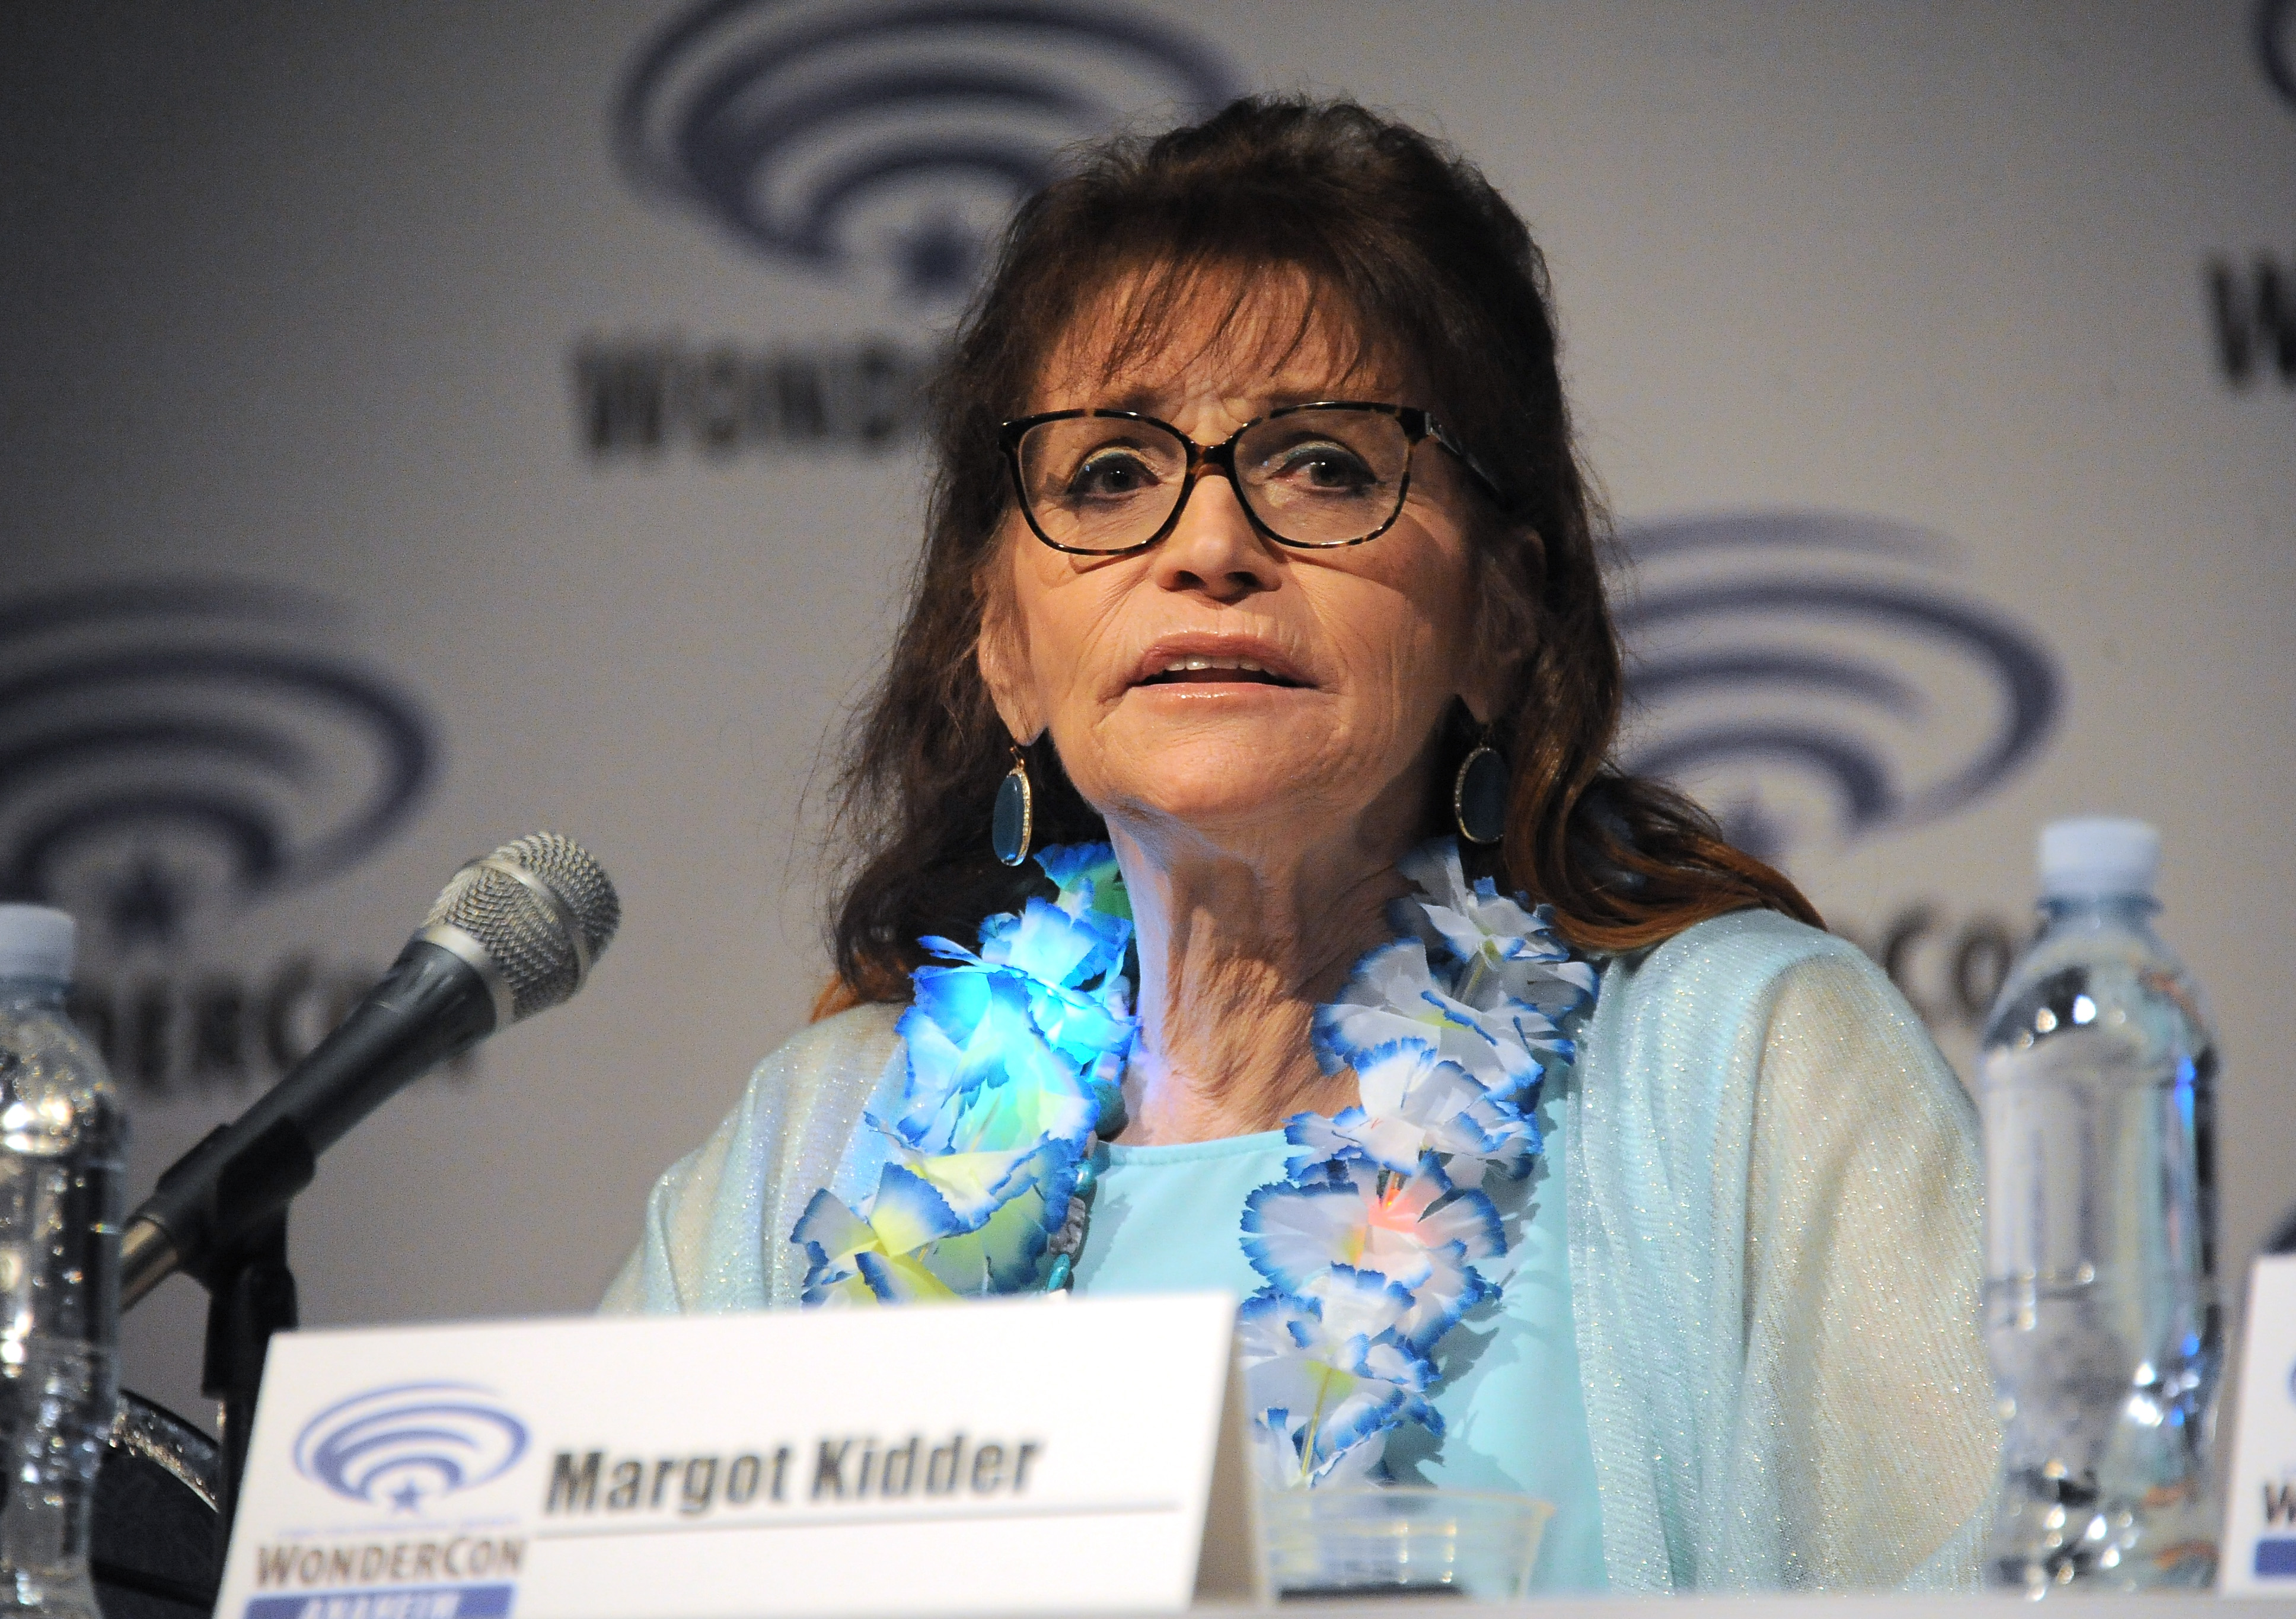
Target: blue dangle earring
{"points": [[1012, 824], [1478, 793]]}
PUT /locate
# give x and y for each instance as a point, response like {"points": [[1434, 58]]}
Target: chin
{"points": [[1228, 792]]}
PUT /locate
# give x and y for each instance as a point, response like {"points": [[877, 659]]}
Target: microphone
{"points": [[511, 935]]}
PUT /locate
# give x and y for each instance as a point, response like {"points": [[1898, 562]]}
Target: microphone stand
{"points": [[220, 1212], [251, 1295], [229, 1195]]}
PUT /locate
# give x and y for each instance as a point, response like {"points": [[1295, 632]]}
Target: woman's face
{"points": [[1329, 671]]}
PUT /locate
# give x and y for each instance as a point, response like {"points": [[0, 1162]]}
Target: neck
{"points": [[1236, 949]]}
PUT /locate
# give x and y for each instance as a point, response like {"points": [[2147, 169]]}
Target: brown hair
{"points": [[1407, 236]]}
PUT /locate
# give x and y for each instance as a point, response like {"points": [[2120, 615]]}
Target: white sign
{"points": [[2259, 1552], [1015, 1455]]}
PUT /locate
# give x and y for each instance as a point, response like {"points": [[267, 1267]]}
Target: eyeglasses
{"points": [[1103, 482]]}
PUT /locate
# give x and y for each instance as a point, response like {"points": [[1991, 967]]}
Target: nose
{"points": [[1214, 550]]}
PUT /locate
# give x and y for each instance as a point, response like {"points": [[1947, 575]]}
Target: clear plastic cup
{"points": [[1400, 1540]]}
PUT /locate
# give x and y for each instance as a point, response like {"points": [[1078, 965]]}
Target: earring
{"points": [[1013, 823], [1479, 795]]}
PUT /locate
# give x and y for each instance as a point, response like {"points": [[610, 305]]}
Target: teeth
{"points": [[1190, 665]]}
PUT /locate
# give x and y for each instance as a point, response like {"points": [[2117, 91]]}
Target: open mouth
{"points": [[1194, 671]]}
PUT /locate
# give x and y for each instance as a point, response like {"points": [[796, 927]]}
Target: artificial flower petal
{"points": [[901, 1280]]}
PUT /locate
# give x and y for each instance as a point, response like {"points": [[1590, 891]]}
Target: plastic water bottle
{"points": [[2098, 1088], [61, 1138]]}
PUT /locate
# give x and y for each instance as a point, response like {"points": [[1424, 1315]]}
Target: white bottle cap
{"points": [[2097, 856], [36, 942]]}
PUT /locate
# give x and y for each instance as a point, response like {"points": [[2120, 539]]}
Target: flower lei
{"points": [[1379, 1239]]}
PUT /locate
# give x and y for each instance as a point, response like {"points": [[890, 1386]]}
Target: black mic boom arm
{"points": [[434, 1004]]}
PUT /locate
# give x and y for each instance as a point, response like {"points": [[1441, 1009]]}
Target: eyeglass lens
{"points": [[1311, 477]]}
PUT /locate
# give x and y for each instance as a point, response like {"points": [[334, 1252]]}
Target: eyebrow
{"points": [[1143, 402]]}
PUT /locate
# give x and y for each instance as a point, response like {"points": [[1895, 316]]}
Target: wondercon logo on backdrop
{"points": [[2275, 44], [2252, 306], [410, 1443], [898, 133], [169, 747], [1816, 679]]}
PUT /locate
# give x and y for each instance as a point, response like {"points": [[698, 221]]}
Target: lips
{"points": [[1180, 663]]}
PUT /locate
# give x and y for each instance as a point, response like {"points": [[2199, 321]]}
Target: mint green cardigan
{"points": [[1774, 1226]]}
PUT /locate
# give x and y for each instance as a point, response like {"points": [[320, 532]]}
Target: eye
{"points": [[1115, 471], [1320, 466]]}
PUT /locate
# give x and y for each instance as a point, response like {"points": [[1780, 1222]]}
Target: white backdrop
{"points": [[1884, 304]]}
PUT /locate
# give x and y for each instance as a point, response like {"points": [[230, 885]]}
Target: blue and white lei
{"points": [[1374, 1245]]}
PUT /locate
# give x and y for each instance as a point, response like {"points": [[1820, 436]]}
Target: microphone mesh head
{"points": [[523, 933]]}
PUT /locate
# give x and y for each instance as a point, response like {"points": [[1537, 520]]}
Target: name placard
{"points": [[2259, 1549], [1013, 1454]]}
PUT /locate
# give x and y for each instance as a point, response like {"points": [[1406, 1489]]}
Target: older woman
{"points": [[1259, 659]]}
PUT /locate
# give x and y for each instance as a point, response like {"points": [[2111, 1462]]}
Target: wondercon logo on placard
{"points": [[2275, 1547], [1817, 677], [901, 134], [410, 1443]]}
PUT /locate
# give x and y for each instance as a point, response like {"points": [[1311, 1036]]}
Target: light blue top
{"points": [[1166, 1220], [1770, 1199]]}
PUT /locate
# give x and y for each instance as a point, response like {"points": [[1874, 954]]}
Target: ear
{"points": [[1001, 654], [1481, 689], [1504, 634]]}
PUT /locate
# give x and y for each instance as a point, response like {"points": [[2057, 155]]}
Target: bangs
{"points": [[1254, 283], [1170, 314]]}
